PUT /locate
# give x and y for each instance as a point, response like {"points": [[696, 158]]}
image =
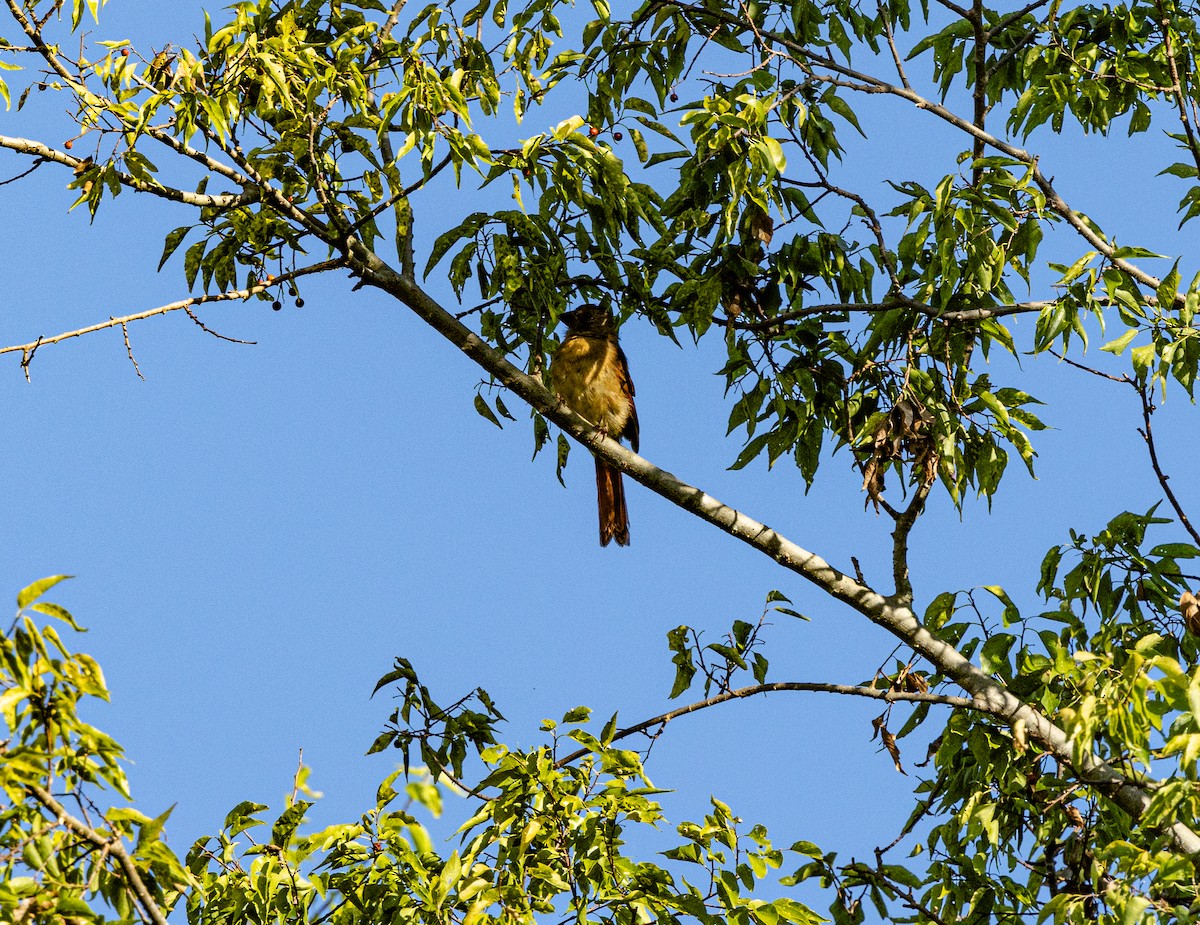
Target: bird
{"points": [[590, 375]]}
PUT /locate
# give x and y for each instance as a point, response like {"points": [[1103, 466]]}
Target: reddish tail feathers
{"points": [[610, 499]]}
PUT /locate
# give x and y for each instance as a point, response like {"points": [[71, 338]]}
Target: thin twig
{"points": [[1087, 369], [36, 164], [1177, 86], [891, 304], [955, 8], [885, 15], [28, 350], [1164, 480], [129, 350], [1014, 17], [1147, 434], [217, 334], [852, 690]]}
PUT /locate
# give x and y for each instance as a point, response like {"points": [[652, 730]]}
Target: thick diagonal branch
{"points": [[891, 613]]}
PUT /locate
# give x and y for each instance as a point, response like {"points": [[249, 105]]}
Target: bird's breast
{"points": [[587, 372]]}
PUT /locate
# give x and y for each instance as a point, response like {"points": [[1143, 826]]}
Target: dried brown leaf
{"points": [[1189, 607], [889, 740]]}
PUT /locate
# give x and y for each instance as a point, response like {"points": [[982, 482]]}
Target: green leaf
{"points": [[31, 593], [994, 654], [241, 817], [775, 151], [59, 613], [842, 108], [286, 825], [609, 731], [1117, 347], [751, 450], [1011, 613], [1168, 289], [174, 239], [1175, 551], [193, 258], [1143, 359], [151, 830], [639, 145], [1186, 171], [564, 451], [503, 409], [662, 130], [577, 715], [402, 672], [484, 411]]}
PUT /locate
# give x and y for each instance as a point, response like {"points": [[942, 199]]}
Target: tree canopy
{"points": [[684, 166]]}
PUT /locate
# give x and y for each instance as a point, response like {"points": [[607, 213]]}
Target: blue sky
{"points": [[258, 530]]}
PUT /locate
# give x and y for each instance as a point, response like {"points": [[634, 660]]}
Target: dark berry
{"points": [[276, 305], [617, 136], [299, 303], [674, 97]]}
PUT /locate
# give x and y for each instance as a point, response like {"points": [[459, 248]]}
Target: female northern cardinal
{"points": [[591, 375]]}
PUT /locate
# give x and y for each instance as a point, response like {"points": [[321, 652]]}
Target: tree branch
{"points": [[28, 350], [905, 521], [888, 305], [110, 843], [852, 690], [205, 160], [46, 153], [1177, 90], [979, 94], [885, 15], [896, 616], [1014, 17]]}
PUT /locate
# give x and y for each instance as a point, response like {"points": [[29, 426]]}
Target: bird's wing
{"points": [[631, 426]]}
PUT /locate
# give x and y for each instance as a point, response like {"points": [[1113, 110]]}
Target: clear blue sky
{"points": [[258, 530]]}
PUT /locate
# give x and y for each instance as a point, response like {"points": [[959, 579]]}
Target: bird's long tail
{"points": [[610, 499]]}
